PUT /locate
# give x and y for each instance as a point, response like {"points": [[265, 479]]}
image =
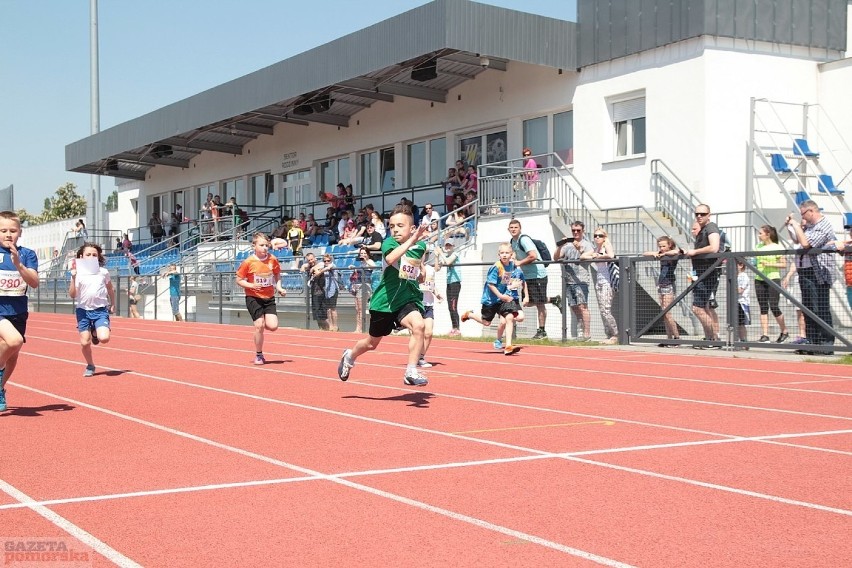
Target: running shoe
{"points": [[259, 360], [763, 339], [557, 301], [414, 378], [498, 345], [465, 316], [783, 337], [345, 366], [800, 341], [93, 330], [90, 371], [540, 334], [2, 400], [511, 350], [424, 363]]}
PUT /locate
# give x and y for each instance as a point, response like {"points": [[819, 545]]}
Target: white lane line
{"points": [[499, 379], [514, 364], [360, 417], [387, 495], [86, 538], [715, 486]]}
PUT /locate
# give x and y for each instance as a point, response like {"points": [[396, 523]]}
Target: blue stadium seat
{"points": [[826, 185], [800, 197], [847, 220], [779, 164], [801, 148]]}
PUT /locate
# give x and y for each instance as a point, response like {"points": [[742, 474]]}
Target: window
{"points": [[470, 149], [535, 135], [416, 158], [387, 162], [260, 186], [563, 136], [297, 188], [437, 160], [333, 172], [628, 119], [369, 173], [233, 188]]}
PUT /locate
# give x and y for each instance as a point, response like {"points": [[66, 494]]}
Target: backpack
{"points": [[543, 251]]}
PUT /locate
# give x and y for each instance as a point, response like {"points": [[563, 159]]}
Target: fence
{"points": [[640, 311]]}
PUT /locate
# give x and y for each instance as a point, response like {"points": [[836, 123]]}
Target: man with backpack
{"points": [[527, 256], [704, 303]]}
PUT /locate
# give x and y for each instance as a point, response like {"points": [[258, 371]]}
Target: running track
{"points": [[179, 452]]}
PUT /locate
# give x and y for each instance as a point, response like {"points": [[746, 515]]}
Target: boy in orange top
{"points": [[260, 275]]}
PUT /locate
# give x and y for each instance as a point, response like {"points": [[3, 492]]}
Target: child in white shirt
{"points": [[92, 289]]}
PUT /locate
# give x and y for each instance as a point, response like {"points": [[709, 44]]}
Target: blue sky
{"points": [[152, 53]]}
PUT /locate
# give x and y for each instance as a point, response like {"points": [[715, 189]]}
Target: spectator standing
{"points": [[667, 253], [768, 296], [743, 301], [448, 257], [14, 306], [349, 199], [155, 227], [91, 288], [604, 284], [316, 284], [295, 237], [260, 276], [173, 274], [576, 277], [704, 303], [471, 182], [531, 178], [133, 297], [535, 274], [816, 272], [845, 246], [427, 286], [451, 188], [134, 262], [332, 290], [360, 284], [125, 243], [397, 298]]}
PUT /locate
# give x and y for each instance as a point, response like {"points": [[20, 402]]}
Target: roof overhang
{"points": [[422, 53]]}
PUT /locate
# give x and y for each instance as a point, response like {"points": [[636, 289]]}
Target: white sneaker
{"points": [[415, 379], [424, 363]]}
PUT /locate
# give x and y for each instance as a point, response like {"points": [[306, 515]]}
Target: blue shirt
{"points": [[13, 289], [174, 285], [500, 276]]}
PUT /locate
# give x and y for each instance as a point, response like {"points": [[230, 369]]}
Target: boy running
{"points": [[18, 270], [95, 301], [260, 275], [397, 299], [503, 283]]}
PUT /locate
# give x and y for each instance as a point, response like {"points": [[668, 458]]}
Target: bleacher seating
{"points": [[801, 148], [800, 197], [779, 164], [826, 185]]}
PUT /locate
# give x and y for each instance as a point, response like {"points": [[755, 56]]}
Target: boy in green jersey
{"points": [[397, 300]]}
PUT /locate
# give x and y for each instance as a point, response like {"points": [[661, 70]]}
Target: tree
{"points": [[65, 204], [112, 201]]}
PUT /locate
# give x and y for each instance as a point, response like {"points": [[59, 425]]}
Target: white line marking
{"points": [[86, 538], [405, 500]]}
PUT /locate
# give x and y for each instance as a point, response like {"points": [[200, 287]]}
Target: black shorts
{"points": [[330, 302], [705, 290], [258, 307], [501, 309], [538, 290], [382, 323], [319, 308], [19, 322]]}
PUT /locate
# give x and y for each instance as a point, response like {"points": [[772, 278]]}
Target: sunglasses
{"points": [[697, 214], [599, 236], [576, 230]]}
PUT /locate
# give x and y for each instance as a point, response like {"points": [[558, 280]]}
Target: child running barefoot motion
{"points": [[18, 271], [500, 297], [397, 298], [92, 289], [260, 275]]}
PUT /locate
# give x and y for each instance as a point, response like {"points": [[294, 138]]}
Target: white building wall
{"points": [[495, 99]]}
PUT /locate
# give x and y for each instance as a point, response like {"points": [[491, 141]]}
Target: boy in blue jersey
{"points": [[18, 271], [503, 284]]}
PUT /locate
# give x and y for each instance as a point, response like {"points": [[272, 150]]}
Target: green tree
{"points": [[66, 203], [112, 201]]}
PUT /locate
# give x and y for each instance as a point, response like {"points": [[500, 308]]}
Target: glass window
{"points": [[257, 195], [470, 150], [437, 160], [388, 169], [369, 173], [535, 135], [416, 159], [628, 118], [296, 187], [563, 136], [328, 177]]}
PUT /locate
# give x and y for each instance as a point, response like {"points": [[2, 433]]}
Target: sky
{"points": [[152, 54]]}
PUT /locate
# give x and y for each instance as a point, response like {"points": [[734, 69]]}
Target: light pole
{"points": [[97, 222]]}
